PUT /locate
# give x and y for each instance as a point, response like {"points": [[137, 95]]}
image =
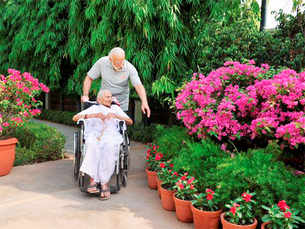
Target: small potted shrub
{"points": [[206, 210], [185, 189], [281, 216], [168, 180], [17, 105], [240, 214], [153, 159]]}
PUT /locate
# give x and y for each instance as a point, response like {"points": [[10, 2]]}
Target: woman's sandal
{"points": [[92, 189], [105, 197]]}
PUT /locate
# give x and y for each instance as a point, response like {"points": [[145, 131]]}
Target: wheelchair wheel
{"points": [[77, 156], [124, 178]]}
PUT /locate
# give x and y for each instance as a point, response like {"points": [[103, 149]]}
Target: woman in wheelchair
{"points": [[102, 141]]}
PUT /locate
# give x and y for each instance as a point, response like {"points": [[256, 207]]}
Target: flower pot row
{"points": [[187, 212]]}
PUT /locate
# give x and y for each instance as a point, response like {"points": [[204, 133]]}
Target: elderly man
{"points": [[102, 141], [115, 72]]}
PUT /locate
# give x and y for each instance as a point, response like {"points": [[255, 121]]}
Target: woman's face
{"points": [[106, 99]]}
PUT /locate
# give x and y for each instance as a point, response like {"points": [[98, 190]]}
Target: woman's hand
{"points": [[111, 115]]}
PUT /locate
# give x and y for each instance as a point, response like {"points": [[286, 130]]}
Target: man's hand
{"points": [[145, 109], [84, 98]]}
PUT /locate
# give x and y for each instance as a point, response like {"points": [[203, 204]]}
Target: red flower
{"points": [[181, 186], [191, 187], [282, 205], [162, 165], [247, 197], [209, 196], [236, 205], [154, 147], [233, 210], [287, 214], [171, 165], [191, 180], [158, 156], [210, 191], [183, 178], [176, 174]]}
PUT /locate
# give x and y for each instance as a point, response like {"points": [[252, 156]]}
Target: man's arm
{"points": [[142, 94], [86, 88]]}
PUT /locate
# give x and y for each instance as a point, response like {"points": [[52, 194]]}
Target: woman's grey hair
{"points": [[102, 92], [116, 51]]}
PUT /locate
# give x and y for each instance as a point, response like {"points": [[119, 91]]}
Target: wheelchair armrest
{"points": [[80, 122]]}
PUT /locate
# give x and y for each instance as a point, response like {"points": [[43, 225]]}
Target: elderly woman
{"points": [[102, 141]]}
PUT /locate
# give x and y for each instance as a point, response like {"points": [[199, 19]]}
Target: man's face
{"points": [[117, 62], [106, 99]]}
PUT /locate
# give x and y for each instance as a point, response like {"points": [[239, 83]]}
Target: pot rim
{"points": [[207, 212], [8, 141], [232, 224]]}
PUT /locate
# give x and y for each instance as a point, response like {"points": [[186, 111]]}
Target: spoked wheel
{"points": [[124, 178], [77, 156]]}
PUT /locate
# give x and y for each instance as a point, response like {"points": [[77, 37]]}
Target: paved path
{"points": [[45, 196]]}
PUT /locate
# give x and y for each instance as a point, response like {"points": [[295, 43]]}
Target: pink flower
{"points": [[5, 124], [162, 165]]}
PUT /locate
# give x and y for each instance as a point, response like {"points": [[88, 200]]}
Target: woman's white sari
{"points": [[102, 143]]}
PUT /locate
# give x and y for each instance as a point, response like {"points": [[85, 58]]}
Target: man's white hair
{"points": [[102, 92], [116, 51]]}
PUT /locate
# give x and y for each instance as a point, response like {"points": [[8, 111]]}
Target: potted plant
{"points": [[240, 214], [168, 179], [185, 189], [17, 105], [281, 216], [153, 159], [206, 210]]}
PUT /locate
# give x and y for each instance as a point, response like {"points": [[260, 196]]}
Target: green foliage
{"points": [[64, 117], [58, 41], [141, 133], [170, 139], [38, 143]]}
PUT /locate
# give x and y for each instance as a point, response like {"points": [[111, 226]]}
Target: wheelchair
{"points": [[121, 163]]}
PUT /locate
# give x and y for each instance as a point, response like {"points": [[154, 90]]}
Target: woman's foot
{"points": [[105, 193], [92, 188]]}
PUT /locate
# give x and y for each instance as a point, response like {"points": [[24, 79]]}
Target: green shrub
{"points": [[38, 143], [170, 139], [141, 133], [64, 117], [257, 172]]}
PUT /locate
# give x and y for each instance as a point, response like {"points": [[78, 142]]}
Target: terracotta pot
{"points": [[264, 225], [167, 199], [183, 210], [151, 178], [228, 225], [205, 219], [7, 155], [158, 186]]}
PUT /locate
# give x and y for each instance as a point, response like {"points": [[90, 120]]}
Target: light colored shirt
{"points": [[115, 81]]}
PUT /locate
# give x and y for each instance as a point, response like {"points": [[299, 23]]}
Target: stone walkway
{"points": [[44, 196]]}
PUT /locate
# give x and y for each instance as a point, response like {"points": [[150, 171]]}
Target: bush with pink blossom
{"points": [[239, 102], [17, 100]]}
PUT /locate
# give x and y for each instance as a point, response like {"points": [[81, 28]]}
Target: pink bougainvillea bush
{"points": [[17, 99], [243, 101]]}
